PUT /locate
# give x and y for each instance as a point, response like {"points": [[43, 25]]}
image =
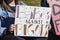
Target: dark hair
{"points": [[5, 3], [1, 1]]}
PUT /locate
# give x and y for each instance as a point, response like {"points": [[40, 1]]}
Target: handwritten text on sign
{"points": [[55, 4], [32, 21]]}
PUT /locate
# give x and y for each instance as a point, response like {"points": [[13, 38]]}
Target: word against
{"points": [[55, 4], [32, 21]]}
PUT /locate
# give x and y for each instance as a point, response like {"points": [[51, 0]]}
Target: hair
{"points": [[0, 1], [5, 3]]}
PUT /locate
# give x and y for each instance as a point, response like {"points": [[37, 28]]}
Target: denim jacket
{"points": [[5, 20]]}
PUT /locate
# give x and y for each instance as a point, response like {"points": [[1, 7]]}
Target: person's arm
{"points": [[1, 29], [5, 24]]}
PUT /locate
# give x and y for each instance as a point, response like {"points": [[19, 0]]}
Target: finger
{"points": [[49, 26], [12, 25], [11, 28]]}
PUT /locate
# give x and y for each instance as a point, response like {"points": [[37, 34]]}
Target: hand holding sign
{"points": [[32, 21]]}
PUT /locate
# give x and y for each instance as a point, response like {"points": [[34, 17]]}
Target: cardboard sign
{"points": [[32, 21], [55, 4]]}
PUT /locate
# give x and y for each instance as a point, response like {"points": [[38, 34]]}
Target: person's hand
{"points": [[12, 27]]}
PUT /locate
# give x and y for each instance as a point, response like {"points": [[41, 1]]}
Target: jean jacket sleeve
{"points": [[1, 28]]}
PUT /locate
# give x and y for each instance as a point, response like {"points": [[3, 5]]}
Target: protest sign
{"points": [[55, 4], [32, 21]]}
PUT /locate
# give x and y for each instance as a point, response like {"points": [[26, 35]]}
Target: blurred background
{"points": [[32, 2]]}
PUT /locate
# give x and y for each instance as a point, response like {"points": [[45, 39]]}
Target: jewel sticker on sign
{"points": [[55, 4], [32, 21]]}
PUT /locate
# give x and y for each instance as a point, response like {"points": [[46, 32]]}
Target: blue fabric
{"points": [[5, 20]]}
